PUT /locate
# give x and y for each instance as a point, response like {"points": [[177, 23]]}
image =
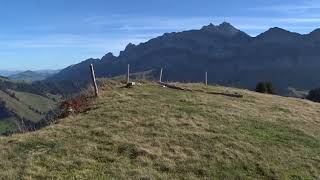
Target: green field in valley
{"points": [[25, 105]]}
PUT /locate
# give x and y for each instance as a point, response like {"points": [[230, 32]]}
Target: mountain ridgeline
{"points": [[30, 76], [230, 56]]}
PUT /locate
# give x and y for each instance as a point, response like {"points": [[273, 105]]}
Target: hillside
{"points": [[230, 56], [20, 106], [152, 132], [30, 76], [8, 72], [25, 105], [2, 78]]}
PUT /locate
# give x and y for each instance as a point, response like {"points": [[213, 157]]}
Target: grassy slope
{"points": [[8, 124], [19, 107], [22, 108], [40, 103], [155, 132]]}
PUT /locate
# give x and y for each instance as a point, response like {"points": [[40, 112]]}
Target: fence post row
{"points": [[94, 82], [96, 90]]}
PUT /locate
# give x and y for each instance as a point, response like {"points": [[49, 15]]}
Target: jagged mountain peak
{"points": [[225, 29], [108, 56], [210, 26], [128, 49], [222, 26], [130, 46], [228, 28], [226, 25]]}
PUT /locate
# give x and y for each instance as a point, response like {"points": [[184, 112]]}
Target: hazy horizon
{"points": [[40, 35]]}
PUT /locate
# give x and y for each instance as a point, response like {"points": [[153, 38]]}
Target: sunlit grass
{"points": [[151, 132]]}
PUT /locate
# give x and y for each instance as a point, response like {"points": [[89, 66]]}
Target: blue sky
{"points": [[52, 34]]}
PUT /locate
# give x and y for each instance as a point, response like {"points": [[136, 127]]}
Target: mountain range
{"points": [[230, 56], [30, 76], [7, 73]]}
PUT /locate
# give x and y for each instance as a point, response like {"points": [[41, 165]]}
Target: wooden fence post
{"points": [[160, 79], [206, 78], [128, 74], [94, 82]]}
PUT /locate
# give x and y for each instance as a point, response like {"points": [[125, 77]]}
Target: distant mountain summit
{"points": [[230, 56], [278, 35], [33, 75], [225, 29]]}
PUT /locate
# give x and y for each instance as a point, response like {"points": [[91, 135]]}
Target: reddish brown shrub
{"points": [[74, 105]]}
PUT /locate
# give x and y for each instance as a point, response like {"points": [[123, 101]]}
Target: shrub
{"points": [[314, 95], [265, 87], [74, 105]]}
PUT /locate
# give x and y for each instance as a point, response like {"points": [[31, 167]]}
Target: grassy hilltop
{"points": [[152, 132]]}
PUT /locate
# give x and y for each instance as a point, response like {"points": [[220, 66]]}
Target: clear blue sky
{"points": [[52, 34]]}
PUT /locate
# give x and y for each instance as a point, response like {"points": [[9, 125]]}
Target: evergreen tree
{"points": [[265, 87], [314, 95]]}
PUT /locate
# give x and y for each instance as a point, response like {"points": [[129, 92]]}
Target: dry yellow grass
{"points": [[151, 132]]}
